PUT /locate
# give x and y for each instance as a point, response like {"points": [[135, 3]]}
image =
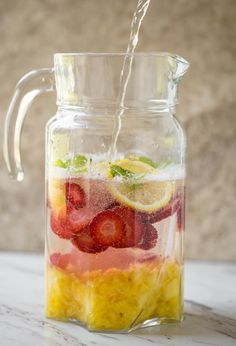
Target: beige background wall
{"points": [[203, 31]]}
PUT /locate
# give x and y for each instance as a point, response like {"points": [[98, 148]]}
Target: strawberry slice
{"points": [[107, 228], [59, 260], [149, 239], [75, 195], [58, 223], [67, 223], [85, 243], [161, 214], [134, 229], [78, 219]]}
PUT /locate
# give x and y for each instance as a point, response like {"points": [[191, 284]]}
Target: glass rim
{"points": [[123, 54]]}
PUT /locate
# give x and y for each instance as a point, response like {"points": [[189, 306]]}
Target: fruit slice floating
{"points": [[56, 193], [150, 236], [134, 166], [134, 229], [77, 219], [163, 213], [75, 195], [58, 222], [107, 228], [141, 194], [85, 243], [66, 223]]}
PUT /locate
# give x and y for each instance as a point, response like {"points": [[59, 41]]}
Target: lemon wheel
{"points": [[147, 195]]}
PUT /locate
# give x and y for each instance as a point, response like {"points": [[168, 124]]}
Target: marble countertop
{"points": [[210, 309]]}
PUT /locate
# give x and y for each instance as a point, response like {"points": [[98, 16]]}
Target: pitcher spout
{"points": [[180, 68]]}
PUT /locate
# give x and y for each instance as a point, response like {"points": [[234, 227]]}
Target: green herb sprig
{"points": [[77, 164], [161, 164], [121, 172], [133, 181]]}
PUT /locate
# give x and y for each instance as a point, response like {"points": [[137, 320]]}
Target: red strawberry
{"points": [[84, 242], [107, 228], [75, 195], [161, 214], [59, 224], [149, 239], [67, 223], [77, 219], [59, 260], [134, 229]]}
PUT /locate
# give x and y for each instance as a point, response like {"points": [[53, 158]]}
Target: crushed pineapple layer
{"points": [[116, 299]]}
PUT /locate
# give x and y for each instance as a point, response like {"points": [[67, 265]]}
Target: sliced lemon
{"points": [[146, 195], [135, 166], [57, 193]]}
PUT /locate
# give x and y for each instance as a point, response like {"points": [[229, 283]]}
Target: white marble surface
{"points": [[210, 309]]}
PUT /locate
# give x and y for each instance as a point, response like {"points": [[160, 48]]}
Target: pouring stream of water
{"points": [[138, 16]]}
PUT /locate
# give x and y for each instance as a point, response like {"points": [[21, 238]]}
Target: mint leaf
{"points": [[147, 160], [132, 181], [77, 164], [119, 171], [78, 160], [161, 164], [60, 163]]}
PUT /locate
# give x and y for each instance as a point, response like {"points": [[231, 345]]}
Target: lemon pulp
{"points": [[116, 299]]}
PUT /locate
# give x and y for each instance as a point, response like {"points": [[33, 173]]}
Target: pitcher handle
{"points": [[30, 85]]}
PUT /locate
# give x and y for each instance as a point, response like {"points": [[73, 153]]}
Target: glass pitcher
{"points": [[115, 218]]}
